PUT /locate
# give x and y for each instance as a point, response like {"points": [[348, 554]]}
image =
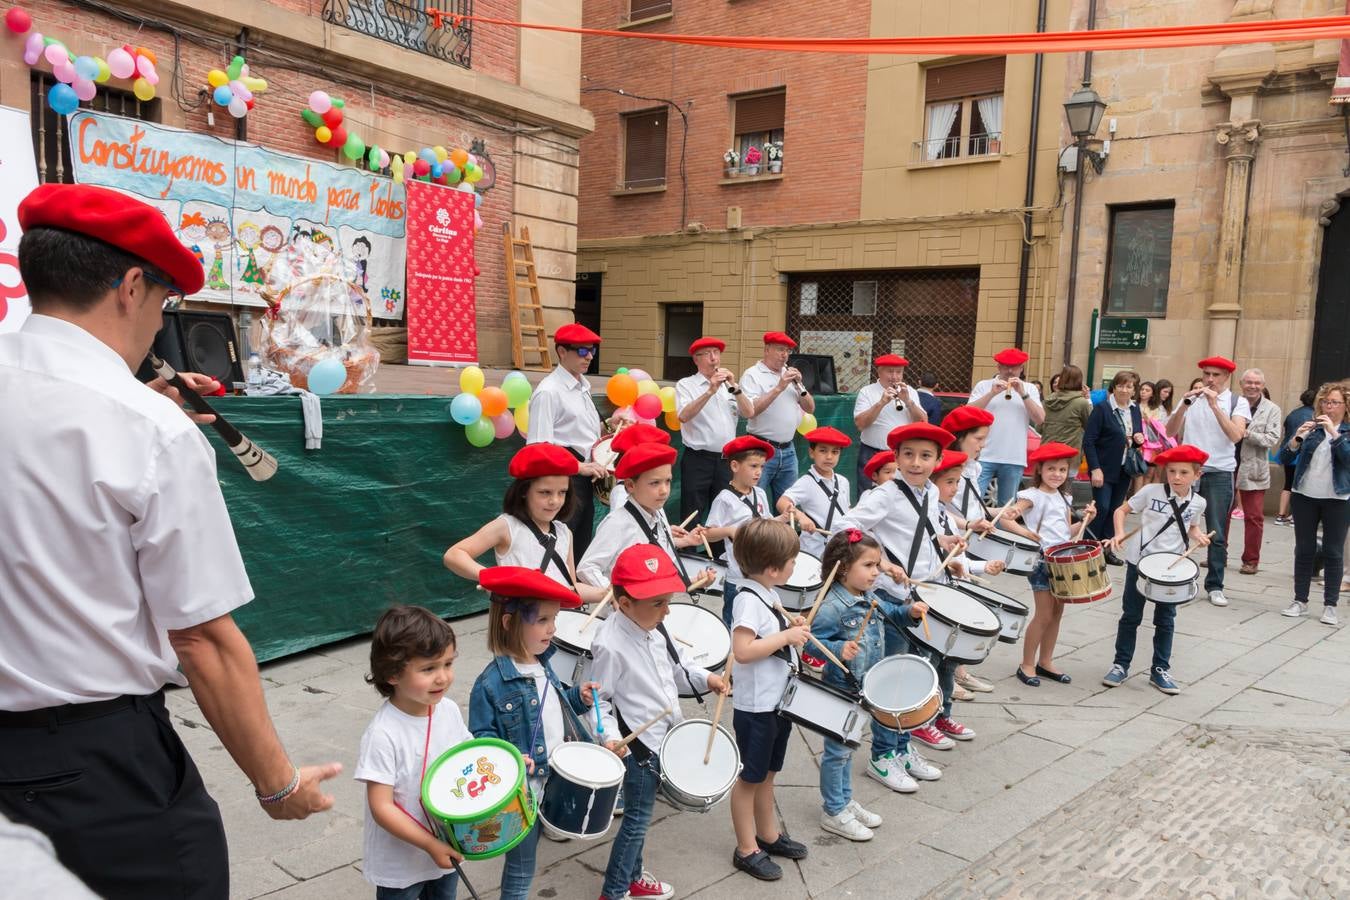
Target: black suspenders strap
{"points": [[551, 555], [675, 661], [924, 525], [833, 498]]}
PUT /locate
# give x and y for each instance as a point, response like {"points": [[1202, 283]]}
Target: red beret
{"points": [[964, 418], [117, 219], [1217, 362], [890, 359], [777, 337], [747, 442], [638, 433], [1181, 453], [918, 431], [643, 457], [878, 462], [1050, 451], [575, 335], [538, 460], [1011, 357], [645, 571], [827, 435], [704, 343], [520, 583], [950, 459]]}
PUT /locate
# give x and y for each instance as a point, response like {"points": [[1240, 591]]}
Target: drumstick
{"points": [[923, 617], [702, 581], [717, 711], [1129, 534], [685, 523], [682, 640], [609, 595], [998, 514], [641, 728], [866, 620], [1189, 552], [1082, 526], [824, 589], [707, 547], [814, 640]]}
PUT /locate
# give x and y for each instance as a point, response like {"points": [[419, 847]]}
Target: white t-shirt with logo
{"points": [[1008, 435], [1158, 527]]}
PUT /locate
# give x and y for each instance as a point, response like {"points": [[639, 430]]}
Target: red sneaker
{"points": [[814, 663], [649, 887], [954, 729], [931, 737]]}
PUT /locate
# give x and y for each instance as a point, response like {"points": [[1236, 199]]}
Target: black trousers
{"points": [[703, 475], [582, 520], [121, 801]]}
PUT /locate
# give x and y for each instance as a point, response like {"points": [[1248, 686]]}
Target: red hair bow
{"points": [[854, 535]]}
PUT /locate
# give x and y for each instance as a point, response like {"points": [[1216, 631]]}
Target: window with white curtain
{"points": [[963, 112]]}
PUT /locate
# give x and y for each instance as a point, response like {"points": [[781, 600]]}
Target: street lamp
{"points": [[1083, 111]]}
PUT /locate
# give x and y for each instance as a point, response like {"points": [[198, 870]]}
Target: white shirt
{"points": [[893, 521], [874, 435], [730, 508], [562, 413], [391, 753], [1202, 430], [616, 533], [973, 566], [114, 530], [759, 684], [809, 494], [1121, 418], [1048, 515], [967, 503], [1158, 532], [638, 679], [1318, 479], [1008, 435], [618, 496], [715, 423], [779, 422], [526, 551], [552, 708]]}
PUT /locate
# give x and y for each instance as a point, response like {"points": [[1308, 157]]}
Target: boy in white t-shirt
{"points": [[1170, 515], [820, 497], [412, 656], [737, 504]]}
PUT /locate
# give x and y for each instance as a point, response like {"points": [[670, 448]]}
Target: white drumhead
{"points": [[569, 632], [1000, 536], [900, 683], [602, 453], [957, 606], [807, 572], [588, 764], [1155, 567], [682, 759], [702, 628], [473, 760], [989, 595]]}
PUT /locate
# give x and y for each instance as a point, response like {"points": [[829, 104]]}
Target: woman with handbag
{"points": [[1112, 445]]}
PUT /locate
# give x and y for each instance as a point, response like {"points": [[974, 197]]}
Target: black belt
{"points": [[696, 450], [781, 445], [68, 713]]}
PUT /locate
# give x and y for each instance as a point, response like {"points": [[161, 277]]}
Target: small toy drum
{"points": [[475, 795], [1018, 552], [1077, 572], [823, 709], [1168, 578], [582, 790], [902, 693]]}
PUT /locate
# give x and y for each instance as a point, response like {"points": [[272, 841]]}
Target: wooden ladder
{"points": [[521, 273]]}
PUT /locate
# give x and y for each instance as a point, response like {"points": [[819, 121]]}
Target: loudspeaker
{"points": [[817, 372], [205, 342]]}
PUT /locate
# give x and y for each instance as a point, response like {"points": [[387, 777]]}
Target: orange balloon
{"points": [[673, 421], [621, 390], [493, 400], [459, 156]]}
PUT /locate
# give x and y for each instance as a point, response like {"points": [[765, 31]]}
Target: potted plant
{"points": [[773, 152], [731, 161], [752, 158]]}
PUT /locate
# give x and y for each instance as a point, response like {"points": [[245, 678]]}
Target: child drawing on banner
{"points": [[218, 231], [361, 256], [192, 230], [248, 237], [391, 298]]}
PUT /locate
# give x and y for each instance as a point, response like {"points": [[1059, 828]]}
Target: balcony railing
{"points": [[952, 147], [409, 24]]}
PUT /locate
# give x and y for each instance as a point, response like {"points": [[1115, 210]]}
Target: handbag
{"points": [[1134, 464]]}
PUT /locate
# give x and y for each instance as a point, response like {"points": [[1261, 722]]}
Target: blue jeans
{"points": [[728, 594], [836, 777], [886, 740], [1009, 477], [1132, 613], [1108, 497], [780, 473], [640, 784], [518, 872], [442, 888], [1217, 489]]}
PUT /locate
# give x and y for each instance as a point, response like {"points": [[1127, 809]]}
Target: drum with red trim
{"points": [[1078, 572]]}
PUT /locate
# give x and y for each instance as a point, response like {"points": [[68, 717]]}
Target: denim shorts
{"points": [[1040, 576]]}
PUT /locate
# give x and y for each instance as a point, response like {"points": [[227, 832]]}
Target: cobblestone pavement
{"points": [[1236, 787]]}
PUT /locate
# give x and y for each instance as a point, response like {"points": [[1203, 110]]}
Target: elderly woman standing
{"points": [[1321, 496], [1253, 466]]}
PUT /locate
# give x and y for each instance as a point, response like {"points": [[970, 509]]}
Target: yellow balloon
{"points": [[144, 90], [409, 158], [217, 78], [668, 400], [672, 421], [256, 85], [808, 423], [647, 386], [471, 380], [441, 153], [522, 415], [323, 134]]}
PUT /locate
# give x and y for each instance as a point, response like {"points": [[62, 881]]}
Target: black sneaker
{"points": [[1113, 560], [785, 847], [757, 864]]}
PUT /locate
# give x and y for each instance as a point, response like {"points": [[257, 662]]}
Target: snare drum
{"points": [[571, 659], [697, 562], [1077, 572], [960, 627], [606, 457], [686, 782], [823, 709], [1018, 552], [476, 797], [1012, 614], [582, 790], [1168, 578], [702, 635], [902, 692], [801, 589]]}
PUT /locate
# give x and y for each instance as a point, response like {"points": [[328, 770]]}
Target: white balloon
{"points": [[238, 108]]}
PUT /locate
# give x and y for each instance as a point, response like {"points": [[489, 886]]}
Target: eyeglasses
{"points": [[174, 297]]}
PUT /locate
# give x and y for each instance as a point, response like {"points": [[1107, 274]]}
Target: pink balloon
{"points": [[625, 413], [120, 63], [64, 71], [648, 406], [144, 67], [503, 425], [477, 221], [55, 53], [640, 375], [84, 89], [320, 102], [33, 47]]}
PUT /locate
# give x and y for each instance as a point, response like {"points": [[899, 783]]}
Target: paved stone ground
{"points": [[1236, 787]]}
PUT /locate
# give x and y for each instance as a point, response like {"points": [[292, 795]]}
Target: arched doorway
{"points": [[1331, 316]]}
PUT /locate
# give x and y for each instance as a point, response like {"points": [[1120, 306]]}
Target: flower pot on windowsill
{"points": [[752, 171], [775, 167], [995, 146], [730, 172]]}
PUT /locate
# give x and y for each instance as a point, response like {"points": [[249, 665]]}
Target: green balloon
{"points": [[480, 433], [312, 119], [621, 370], [517, 391], [452, 173], [373, 157], [355, 148]]}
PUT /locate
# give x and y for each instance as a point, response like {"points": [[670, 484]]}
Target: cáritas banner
{"points": [[442, 329]]}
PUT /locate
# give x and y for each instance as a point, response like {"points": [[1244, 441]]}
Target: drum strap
{"points": [[925, 524], [551, 555], [1176, 520], [654, 538], [641, 752], [782, 653], [749, 501], [675, 661], [833, 497]]}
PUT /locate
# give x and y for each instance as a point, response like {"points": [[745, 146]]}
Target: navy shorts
{"points": [[1040, 576], [762, 739]]}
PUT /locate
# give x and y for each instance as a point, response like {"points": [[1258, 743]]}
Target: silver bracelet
{"points": [[282, 794]]}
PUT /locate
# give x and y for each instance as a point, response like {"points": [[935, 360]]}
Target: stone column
{"points": [[1238, 138]]}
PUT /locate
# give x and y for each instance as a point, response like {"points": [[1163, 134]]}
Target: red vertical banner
{"points": [[442, 329]]}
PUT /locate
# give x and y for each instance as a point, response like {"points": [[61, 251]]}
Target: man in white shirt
{"points": [[778, 402], [1016, 404], [118, 566], [562, 413], [1214, 420], [883, 405], [709, 403]]}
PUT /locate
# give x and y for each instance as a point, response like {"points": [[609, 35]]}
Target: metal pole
{"points": [[1092, 349], [1073, 250], [1024, 263]]}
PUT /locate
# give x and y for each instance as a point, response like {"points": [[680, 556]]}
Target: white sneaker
{"points": [[918, 767], [1217, 598], [846, 825], [890, 772], [870, 819], [1295, 609], [1329, 616]]}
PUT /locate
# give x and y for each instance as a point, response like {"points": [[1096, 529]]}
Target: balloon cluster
{"points": [[324, 114], [457, 168], [78, 76], [234, 87], [491, 413], [638, 397]]}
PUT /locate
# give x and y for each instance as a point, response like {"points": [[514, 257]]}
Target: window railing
{"points": [[990, 144], [409, 24], [637, 184], [641, 10]]}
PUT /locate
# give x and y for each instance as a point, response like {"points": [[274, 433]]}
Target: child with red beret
{"points": [[628, 438], [879, 470], [738, 503], [821, 495]]}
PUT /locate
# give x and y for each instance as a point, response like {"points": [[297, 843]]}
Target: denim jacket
{"points": [[505, 704], [1340, 456], [838, 620]]}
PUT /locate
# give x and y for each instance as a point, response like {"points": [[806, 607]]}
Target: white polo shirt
{"points": [[715, 423], [1202, 430], [562, 413], [113, 530], [874, 435], [779, 422], [1008, 435]]}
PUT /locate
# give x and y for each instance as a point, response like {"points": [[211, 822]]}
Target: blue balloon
{"points": [[477, 201], [429, 155], [62, 99], [513, 375], [436, 170], [466, 409], [327, 375], [86, 67], [223, 95], [1098, 395]]}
